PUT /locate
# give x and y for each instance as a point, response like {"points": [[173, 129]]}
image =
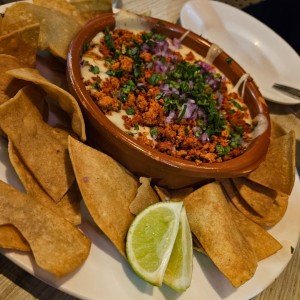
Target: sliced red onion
{"points": [[197, 131], [172, 116], [176, 43], [145, 48], [204, 138], [160, 67], [164, 87], [175, 91], [220, 98], [149, 65], [191, 111], [205, 66], [161, 48]]}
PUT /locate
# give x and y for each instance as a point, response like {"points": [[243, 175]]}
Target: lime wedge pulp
{"points": [[151, 238]]}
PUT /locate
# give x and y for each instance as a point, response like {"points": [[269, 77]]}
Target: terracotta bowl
{"points": [[165, 171]]}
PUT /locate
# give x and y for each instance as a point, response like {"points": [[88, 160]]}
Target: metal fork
{"points": [[293, 92]]}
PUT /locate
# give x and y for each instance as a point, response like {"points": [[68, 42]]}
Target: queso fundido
{"points": [[166, 96]]}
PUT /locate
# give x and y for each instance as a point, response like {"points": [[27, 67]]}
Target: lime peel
{"points": [[178, 274]]}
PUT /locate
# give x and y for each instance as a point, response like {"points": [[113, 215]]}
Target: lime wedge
{"points": [[178, 274], [150, 240]]}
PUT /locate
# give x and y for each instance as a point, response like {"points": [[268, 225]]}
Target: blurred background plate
{"points": [[257, 48]]}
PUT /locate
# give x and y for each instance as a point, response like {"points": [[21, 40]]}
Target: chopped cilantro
{"points": [[239, 129], [123, 51], [154, 132], [154, 79], [159, 96], [222, 151], [108, 39], [237, 105], [229, 60], [96, 85], [116, 73], [182, 113], [128, 87], [130, 111], [85, 47], [94, 69], [186, 130]]}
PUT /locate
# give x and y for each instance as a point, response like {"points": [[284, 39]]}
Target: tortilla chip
{"points": [[22, 43], [11, 238], [107, 190], [43, 149], [263, 244], [56, 29], [163, 194], [275, 214], [212, 223], [145, 196], [63, 6], [89, 9], [57, 245], [9, 85], [278, 170], [256, 196], [276, 129], [64, 99], [68, 207]]}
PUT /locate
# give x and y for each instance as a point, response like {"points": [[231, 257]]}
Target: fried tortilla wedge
{"points": [[63, 6], [263, 244], [145, 196], [278, 170], [68, 207], [22, 43], [64, 99], [107, 190], [9, 85], [56, 28], [275, 212], [57, 245], [43, 149], [89, 9], [276, 129], [212, 223], [260, 199], [11, 238], [81, 10]]}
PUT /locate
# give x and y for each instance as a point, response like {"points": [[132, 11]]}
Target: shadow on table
{"points": [[34, 287]]}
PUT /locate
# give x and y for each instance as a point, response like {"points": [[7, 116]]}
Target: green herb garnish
{"points": [[94, 69], [154, 132], [222, 151], [130, 111]]}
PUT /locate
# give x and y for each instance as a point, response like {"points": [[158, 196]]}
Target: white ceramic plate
{"points": [[107, 275], [258, 49]]}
